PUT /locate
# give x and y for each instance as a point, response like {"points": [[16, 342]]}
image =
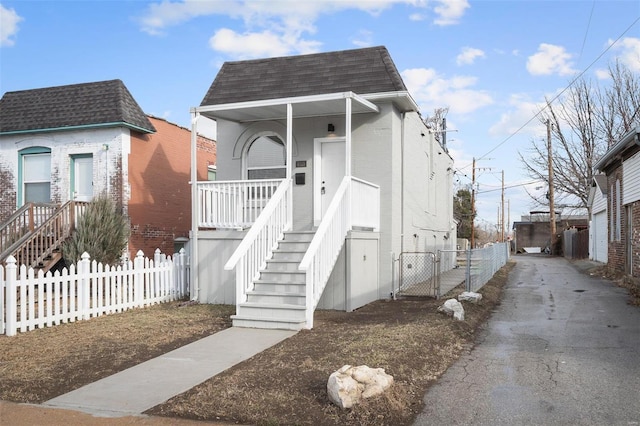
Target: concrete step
{"points": [[271, 310], [306, 236], [288, 255], [295, 246], [269, 323]]}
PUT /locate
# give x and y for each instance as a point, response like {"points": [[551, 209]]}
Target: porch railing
{"points": [[233, 204], [24, 220], [258, 245], [355, 204]]}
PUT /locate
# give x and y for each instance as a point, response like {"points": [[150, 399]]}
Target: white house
{"points": [[598, 219], [326, 173]]}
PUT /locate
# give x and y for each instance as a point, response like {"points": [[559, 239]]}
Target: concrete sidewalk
{"points": [[146, 385]]}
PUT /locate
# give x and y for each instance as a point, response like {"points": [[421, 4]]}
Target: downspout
{"points": [[402, 131], [195, 285]]}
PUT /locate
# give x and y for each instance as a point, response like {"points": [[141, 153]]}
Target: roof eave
{"points": [[80, 127], [401, 98], [216, 111], [618, 148]]}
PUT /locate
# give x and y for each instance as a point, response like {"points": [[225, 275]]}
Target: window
{"points": [[265, 158], [35, 175], [618, 235]]}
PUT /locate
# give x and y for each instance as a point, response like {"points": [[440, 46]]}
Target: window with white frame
{"points": [[265, 158], [36, 175]]}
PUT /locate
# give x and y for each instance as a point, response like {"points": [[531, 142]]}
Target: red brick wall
{"points": [[635, 241], [615, 256], [159, 175]]}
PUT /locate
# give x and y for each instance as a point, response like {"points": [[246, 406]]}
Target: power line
{"points": [[571, 83]]}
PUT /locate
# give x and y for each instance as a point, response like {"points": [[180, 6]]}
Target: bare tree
{"points": [[435, 123], [585, 122]]}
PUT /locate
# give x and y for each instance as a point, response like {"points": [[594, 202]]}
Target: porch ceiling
{"points": [[276, 109]]}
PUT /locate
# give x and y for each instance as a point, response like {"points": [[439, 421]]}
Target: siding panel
{"points": [[631, 179]]}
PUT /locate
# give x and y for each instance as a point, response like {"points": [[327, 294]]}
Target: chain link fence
{"points": [[431, 275]]}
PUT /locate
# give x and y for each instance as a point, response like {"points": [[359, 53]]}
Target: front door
{"points": [[82, 189], [329, 169]]}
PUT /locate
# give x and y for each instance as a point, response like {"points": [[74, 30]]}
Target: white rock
{"points": [[469, 296], [453, 307], [347, 386]]}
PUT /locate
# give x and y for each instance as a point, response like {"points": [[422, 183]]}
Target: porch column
{"points": [[290, 163], [347, 144], [289, 139], [194, 287]]}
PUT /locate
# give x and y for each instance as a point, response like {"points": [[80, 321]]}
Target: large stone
{"points": [[469, 296], [347, 386], [453, 307]]}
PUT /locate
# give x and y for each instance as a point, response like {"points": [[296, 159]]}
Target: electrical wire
{"points": [[571, 83]]}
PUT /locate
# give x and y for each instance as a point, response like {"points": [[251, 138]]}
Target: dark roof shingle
{"points": [[85, 104], [362, 71]]}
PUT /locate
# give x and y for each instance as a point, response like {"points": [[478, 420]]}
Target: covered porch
{"points": [[280, 269]]}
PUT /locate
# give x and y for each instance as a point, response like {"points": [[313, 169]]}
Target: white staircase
{"points": [[278, 297]]}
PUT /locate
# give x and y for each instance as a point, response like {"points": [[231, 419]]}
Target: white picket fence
{"points": [[30, 300]]}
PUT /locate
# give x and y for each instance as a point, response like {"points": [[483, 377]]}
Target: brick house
{"points": [[621, 165], [72, 142]]}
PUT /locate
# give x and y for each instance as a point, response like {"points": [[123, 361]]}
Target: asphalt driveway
{"points": [[563, 348]]}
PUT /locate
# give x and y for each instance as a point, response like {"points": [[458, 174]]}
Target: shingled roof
{"points": [[362, 71], [77, 105]]}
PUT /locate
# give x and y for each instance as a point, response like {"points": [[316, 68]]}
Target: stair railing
{"points": [[22, 221], [35, 246], [261, 239], [355, 204]]}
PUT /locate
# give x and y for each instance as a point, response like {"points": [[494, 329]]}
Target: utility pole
{"points": [[552, 213], [502, 222], [473, 203]]}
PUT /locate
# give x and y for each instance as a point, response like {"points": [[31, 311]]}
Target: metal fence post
{"points": [[468, 272]]}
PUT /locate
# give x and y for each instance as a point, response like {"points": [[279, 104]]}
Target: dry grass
{"points": [[285, 384], [41, 364]]}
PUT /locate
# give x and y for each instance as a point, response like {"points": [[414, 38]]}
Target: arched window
{"points": [[265, 158]]}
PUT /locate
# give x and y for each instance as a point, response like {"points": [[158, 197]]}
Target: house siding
{"points": [[631, 179]]}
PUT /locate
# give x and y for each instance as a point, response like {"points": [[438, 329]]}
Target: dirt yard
{"points": [[283, 385]]}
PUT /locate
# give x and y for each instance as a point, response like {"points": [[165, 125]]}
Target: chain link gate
{"points": [[418, 275]]}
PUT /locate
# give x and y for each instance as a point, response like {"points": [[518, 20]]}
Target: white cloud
{"points": [[550, 59], [521, 111], [9, 20], [364, 38], [629, 48], [432, 91], [468, 55], [602, 74], [261, 44], [450, 11], [283, 22]]}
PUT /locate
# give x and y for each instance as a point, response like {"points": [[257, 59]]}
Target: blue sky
{"points": [[490, 62]]}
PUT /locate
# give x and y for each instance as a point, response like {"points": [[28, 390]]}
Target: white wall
{"points": [[63, 145], [631, 179]]}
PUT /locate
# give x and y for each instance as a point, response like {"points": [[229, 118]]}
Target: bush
{"points": [[102, 232]]}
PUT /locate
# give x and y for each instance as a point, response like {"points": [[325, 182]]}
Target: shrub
{"points": [[101, 231]]}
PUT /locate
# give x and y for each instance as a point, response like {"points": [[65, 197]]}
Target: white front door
{"points": [[329, 169], [82, 178]]}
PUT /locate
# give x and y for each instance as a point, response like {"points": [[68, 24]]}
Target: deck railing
{"points": [[233, 204], [355, 204], [258, 245]]}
